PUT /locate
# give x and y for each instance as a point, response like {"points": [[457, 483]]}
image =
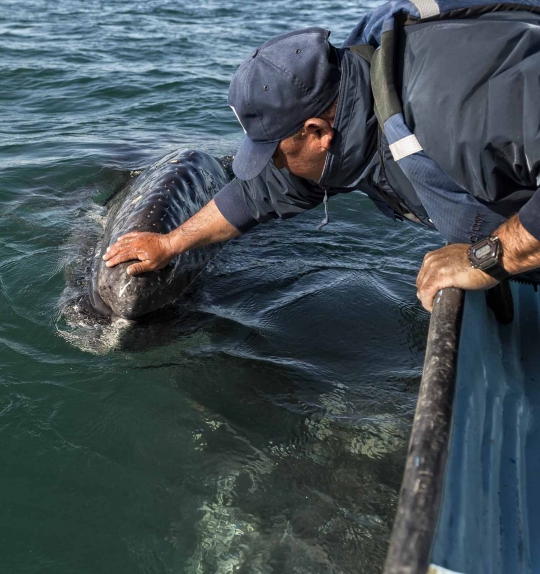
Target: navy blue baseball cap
{"points": [[289, 79]]}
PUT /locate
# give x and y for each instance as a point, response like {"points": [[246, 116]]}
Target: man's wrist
{"points": [[521, 251], [177, 242]]}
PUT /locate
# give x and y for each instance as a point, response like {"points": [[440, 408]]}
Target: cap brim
{"points": [[252, 158]]}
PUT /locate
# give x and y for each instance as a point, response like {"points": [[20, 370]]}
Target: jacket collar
{"points": [[355, 126]]}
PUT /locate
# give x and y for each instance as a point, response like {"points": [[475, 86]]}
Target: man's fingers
{"points": [[429, 260], [121, 243], [111, 252], [124, 253], [116, 248], [426, 298], [422, 272], [121, 257], [420, 278], [430, 279], [130, 235], [138, 268]]}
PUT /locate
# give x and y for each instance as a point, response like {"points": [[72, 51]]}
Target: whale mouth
{"points": [[96, 302]]}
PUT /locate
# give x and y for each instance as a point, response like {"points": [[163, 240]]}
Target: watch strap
{"points": [[498, 272]]}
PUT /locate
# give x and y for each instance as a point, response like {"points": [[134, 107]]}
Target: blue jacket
{"points": [[469, 86]]}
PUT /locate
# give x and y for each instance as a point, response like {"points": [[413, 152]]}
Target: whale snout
{"points": [[129, 296]]}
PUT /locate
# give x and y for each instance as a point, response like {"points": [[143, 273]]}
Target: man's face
{"points": [[304, 154]]}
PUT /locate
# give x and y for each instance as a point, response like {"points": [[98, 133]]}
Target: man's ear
{"points": [[322, 130]]}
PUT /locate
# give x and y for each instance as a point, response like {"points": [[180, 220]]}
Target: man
{"points": [[320, 120]]}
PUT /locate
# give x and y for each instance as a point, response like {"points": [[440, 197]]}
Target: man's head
{"points": [[284, 97]]}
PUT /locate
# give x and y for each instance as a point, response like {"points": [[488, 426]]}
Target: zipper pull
{"points": [[326, 219]]}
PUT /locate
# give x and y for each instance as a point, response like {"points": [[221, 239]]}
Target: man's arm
{"points": [[155, 250], [236, 208], [450, 266]]}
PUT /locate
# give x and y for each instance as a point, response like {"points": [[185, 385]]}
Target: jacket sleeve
{"points": [[529, 215], [273, 194], [230, 202]]}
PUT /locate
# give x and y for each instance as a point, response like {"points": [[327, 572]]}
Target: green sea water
{"points": [[264, 429]]}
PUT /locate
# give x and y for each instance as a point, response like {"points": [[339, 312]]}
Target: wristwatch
{"points": [[486, 255]]}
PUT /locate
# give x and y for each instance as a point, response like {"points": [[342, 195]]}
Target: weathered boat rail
{"points": [[421, 490]]}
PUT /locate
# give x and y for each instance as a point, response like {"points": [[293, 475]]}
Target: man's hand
{"points": [[449, 267], [153, 250]]}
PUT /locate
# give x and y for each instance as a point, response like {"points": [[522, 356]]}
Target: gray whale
{"points": [[159, 200]]}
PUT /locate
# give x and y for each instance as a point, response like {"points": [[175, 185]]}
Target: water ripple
{"points": [[259, 426]]}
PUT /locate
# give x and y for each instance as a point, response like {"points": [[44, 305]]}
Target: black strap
{"points": [[498, 272]]}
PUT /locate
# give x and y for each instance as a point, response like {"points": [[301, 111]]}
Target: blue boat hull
{"points": [[470, 497], [489, 521]]}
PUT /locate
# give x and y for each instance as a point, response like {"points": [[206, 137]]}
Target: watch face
{"points": [[483, 251]]}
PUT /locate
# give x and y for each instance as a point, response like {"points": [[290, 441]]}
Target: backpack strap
{"points": [[386, 100], [364, 50]]}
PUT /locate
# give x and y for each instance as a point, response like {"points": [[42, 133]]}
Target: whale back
{"points": [[159, 200]]}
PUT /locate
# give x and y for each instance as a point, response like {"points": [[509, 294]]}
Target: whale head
{"points": [[159, 200]]}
